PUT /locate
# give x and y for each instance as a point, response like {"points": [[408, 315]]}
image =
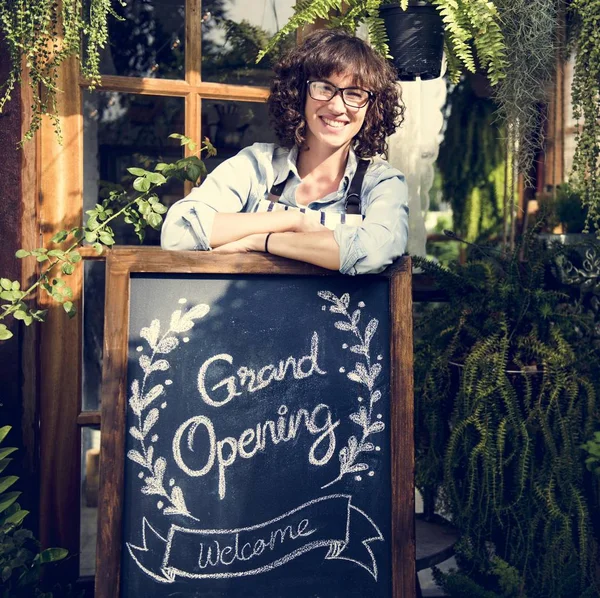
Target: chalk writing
{"points": [[254, 381], [225, 452], [326, 522]]}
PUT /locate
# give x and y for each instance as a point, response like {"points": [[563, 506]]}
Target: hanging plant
{"points": [[530, 29], [586, 107], [472, 163], [40, 35], [472, 30]]}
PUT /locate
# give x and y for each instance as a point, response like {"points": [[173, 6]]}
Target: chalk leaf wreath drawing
{"points": [[141, 399], [363, 373]]}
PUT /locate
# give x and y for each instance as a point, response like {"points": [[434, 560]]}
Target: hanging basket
{"points": [[416, 40]]}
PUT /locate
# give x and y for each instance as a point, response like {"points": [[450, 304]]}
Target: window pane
{"points": [[123, 130], [90, 470], [149, 42], [232, 126], [93, 332], [233, 32]]}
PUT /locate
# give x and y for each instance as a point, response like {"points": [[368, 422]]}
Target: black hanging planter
{"points": [[416, 40]]}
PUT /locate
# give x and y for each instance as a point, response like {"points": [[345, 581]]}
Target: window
{"points": [[171, 66]]}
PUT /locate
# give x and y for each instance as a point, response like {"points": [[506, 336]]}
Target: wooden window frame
{"points": [[60, 206]]}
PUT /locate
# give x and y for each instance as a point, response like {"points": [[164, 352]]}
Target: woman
{"points": [[333, 103]]}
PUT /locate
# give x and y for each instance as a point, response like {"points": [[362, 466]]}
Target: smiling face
{"points": [[330, 123]]}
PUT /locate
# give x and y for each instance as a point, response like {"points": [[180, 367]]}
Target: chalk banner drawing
{"points": [[257, 445]]}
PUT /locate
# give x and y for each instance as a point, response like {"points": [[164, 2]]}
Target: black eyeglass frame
{"points": [[340, 90]]}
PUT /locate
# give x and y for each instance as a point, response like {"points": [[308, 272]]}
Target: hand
{"points": [[255, 242], [308, 224]]}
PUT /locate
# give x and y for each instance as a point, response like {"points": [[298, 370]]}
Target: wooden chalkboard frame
{"points": [[121, 263]]}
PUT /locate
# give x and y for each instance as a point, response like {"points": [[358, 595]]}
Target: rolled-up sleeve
{"points": [[188, 224], [369, 248]]}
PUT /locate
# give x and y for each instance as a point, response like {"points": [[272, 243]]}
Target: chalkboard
{"points": [[250, 417]]}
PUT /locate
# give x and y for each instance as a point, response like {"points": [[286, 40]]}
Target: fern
{"points": [[497, 439], [472, 28]]}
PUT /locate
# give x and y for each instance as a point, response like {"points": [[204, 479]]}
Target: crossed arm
{"points": [[211, 217], [292, 235]]}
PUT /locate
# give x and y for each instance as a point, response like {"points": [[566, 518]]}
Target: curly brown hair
{"points": [[322, 54]]}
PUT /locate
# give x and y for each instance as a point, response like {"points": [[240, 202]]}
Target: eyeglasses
{"points": [[355, 97]]}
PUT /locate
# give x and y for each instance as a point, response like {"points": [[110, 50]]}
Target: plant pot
{"points": [[416, 40]]}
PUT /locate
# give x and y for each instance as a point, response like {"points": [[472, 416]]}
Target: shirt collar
{"points": [[286, 162]]}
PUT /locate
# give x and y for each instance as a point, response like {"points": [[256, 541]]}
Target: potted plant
{"points": [[472, 33], [506, 379], [415, 39], [562, 211]]}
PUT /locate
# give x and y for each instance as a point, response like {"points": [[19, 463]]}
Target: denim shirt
{"points": [[239, 183]]}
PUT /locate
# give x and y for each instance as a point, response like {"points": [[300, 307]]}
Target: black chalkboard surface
{"points": [[255, 454]]}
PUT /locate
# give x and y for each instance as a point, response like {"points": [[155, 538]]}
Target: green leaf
{"points": [[92, 222], [4, 463], [8, 295], [144, 207], [5, 333], [39, 314], [56, 253], [137, 171], [98, 248], [68, 306], [20, 314], [4, 452], [78, 233], [193, 172], [67, 268], [91, 236], [7, 482], [154, 220], [60, 236], [21, 253], [156, 178], [160, 208], [106, 238], [4, 430], [42, 258], [17, 518], [6, 284], [16, 285], [74, 257], [51, 555], [7, 500], [160, 166], [141, 184]]}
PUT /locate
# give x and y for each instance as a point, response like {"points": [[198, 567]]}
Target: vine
{"points": [[472, 163], [365, 374], [142, 210], [40, 36], [586, 108]]}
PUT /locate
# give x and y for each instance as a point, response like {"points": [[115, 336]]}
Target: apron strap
{"points": [[352, 198], [277, 190]]}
